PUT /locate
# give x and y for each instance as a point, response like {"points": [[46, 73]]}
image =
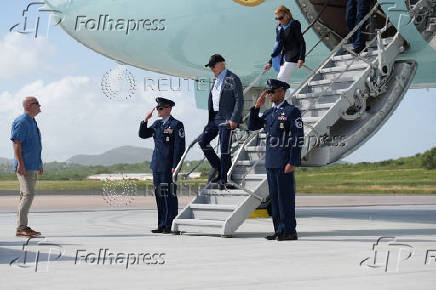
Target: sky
{"points": [[77, 118]]}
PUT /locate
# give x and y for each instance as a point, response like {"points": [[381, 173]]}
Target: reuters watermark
{"points": [[178, 84]]}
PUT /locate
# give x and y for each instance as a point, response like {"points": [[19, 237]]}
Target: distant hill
{"points": [[5, 161], [124, 154]]}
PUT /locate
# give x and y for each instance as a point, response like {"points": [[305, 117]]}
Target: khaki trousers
{"points": [[27, 192]]}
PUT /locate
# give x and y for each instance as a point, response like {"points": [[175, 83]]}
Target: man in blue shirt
{"points": [[26, 140]]}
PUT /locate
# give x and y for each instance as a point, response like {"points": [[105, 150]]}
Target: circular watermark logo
{"points": [[119, 193], [119, 84]]}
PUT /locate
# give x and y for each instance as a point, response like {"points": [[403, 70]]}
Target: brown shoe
{"points": [[27, 232], [35, 232]]}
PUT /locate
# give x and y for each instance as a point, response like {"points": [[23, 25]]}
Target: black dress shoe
{"points": [[157, 231], [223, 185], [167, 230], [272, 237], [214, 175], [287, 237], [358, 50]]}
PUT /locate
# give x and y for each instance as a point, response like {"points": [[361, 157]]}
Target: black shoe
{"points": [[167, 230], [287, 237], [157, 231], [272, 237], [214, 175], [358, 50], [224, 185]]}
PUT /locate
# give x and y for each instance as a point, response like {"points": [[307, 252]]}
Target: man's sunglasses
{"points": [[270, 91], [280, 18], [35, 103], [161, 108]]}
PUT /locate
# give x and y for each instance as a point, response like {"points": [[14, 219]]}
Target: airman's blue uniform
{"points": [[169, 140], [285, 137]]}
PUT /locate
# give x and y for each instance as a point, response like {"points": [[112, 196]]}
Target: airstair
{"points": [[424, 17], [343, 103]]}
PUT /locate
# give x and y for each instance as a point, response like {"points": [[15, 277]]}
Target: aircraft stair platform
{"points": [[343, 103]]}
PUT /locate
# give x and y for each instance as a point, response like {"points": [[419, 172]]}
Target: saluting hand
{"points": [[261, 100], [267, 67], [149, 115]]}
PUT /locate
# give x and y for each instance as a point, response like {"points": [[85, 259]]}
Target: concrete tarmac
{"points": [[341, 246]]}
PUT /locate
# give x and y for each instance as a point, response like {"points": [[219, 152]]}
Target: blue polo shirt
{"points": [[25, 129]]}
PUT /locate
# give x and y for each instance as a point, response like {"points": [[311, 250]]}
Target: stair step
{"points": [[385, 41], [321, 94], [199, 222], [432, 27], [244, 163], [327, 82], [255, 148], [249, 163], [262, 135], [314, 107], [343, 68], [219, 212], [311, 120], [249, 176], [227, 192], [220, 207], [350, 56]]}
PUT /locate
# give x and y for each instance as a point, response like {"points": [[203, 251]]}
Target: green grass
{"points": [[399, 181], [413, 180], [405, 175], [82, 185]]}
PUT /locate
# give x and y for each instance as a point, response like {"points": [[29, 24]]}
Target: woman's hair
{"points": [[283, 9]]}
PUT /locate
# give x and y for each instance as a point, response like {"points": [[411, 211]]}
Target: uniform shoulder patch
{"points": [[299, 123], [182, 133]]}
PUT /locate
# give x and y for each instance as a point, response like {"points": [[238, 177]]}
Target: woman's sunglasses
{"points": [[280, 18], [161, 108]]}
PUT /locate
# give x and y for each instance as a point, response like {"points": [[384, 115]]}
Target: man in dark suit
{"points": [[285, 136], [169, 141], [356, 11], [225, 113]]}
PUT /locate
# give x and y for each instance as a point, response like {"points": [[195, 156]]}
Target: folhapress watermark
{"points": [[390, 255], [105, 23], [107, 257], [37, 255], [32, 19]]}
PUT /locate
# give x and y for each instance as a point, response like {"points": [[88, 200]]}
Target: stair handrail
{"points": [[182, 159], [250, 137], [195, 141], [234, 161], [337, 48]]}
